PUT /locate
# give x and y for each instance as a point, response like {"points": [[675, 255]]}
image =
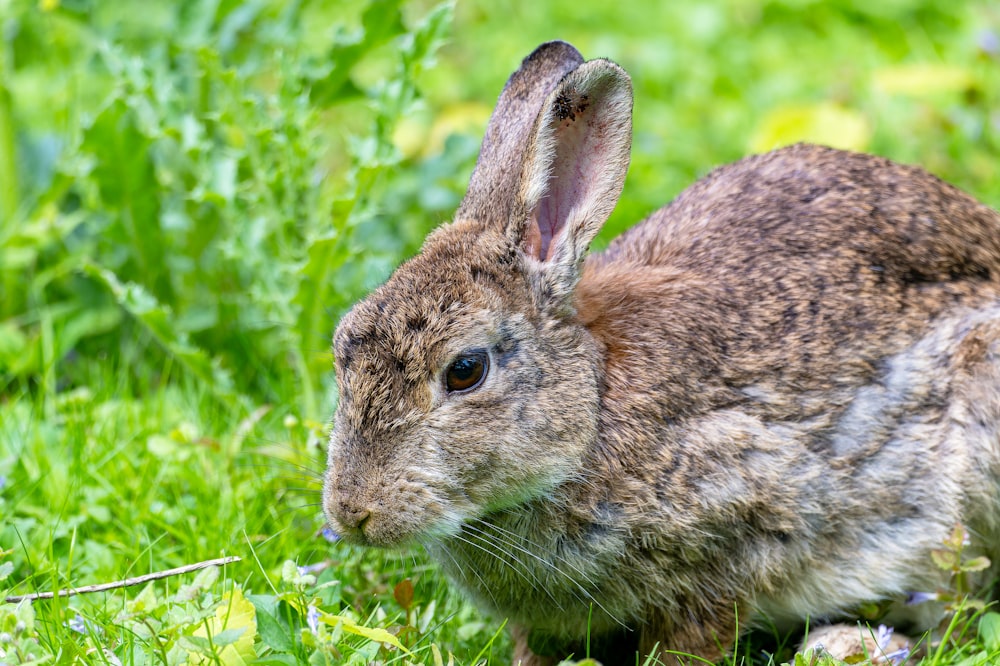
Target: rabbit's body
{"points": [[811, 494], [774, 396]]}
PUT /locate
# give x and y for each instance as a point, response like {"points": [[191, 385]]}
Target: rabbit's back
{"points": [[791, 275], [818, 334]]}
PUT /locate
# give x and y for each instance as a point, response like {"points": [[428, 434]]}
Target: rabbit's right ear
{"points": [[493, 187], [573, 173]]}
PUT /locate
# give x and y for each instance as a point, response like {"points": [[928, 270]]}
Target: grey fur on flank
{"points": [[773, 397]]}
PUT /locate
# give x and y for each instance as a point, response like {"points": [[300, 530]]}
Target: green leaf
{"points": [[976, 564], [145, 601], [157, 320], [981, 658], [944, 559], [13, 346], [271, 625], [989, 630], [87, 322], [228, 636], [431, 33], [381, 21]]}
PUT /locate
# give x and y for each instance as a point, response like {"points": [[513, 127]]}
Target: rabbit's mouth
{"points": [[396, 515], [380, 531]]}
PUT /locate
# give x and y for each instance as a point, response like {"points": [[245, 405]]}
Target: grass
{"points": [[192, 193]]}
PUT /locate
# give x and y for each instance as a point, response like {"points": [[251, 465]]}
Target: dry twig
{"points": [[128, 582]]}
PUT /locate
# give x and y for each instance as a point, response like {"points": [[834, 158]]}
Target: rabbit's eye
{"points": [[466, 372]]}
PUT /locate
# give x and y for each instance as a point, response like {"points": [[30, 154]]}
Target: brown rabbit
{"points": [[772, 398]]}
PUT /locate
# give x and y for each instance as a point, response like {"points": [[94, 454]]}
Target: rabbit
{"points": [[768, 401]]}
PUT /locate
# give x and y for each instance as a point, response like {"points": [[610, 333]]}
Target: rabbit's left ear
{"points": [[574, 169]]}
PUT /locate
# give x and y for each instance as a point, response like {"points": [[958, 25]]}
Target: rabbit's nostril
{"points": [[352, 516]]}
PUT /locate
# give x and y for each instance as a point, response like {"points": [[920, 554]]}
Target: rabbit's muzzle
{"points": [[386, 507]]}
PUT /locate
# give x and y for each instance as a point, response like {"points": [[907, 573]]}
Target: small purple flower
{"points": [[78, 624], [3, 481], [898, 657], [921, 597], [311, 568], [330, 535], [882, 637], [312, 619]]}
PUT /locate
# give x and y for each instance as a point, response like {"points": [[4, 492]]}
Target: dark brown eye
{"points": [[466, 372]]}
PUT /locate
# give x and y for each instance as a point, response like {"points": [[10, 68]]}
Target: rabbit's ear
{"points": [[574, 169], [494, 183]]}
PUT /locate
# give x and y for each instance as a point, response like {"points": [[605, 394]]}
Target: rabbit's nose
{"points": [[351, 515]]}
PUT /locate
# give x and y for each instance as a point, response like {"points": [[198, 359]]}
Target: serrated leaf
{"points": [[944, 559], [382, 20], [976, 564]]}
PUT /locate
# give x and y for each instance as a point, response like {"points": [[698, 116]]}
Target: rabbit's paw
{"points": [[850, 643]]}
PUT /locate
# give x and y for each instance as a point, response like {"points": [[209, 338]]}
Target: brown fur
{"points": [[773, 397]]}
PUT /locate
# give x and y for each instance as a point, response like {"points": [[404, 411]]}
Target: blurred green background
{"points": [[214, 182], [192, 193]]}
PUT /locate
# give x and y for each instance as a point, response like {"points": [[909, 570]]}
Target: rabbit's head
{"points": [[466, 384]]}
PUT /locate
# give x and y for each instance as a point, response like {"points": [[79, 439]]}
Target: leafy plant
{"points": [[199, 202], [192, 193]]}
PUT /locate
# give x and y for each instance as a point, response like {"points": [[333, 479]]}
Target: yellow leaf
{"points": [[371, 633], [825, 123], [235, 612], [923, 79]]}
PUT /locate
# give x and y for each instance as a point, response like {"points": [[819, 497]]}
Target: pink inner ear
{"points": [[575, 174], [542, 229]]}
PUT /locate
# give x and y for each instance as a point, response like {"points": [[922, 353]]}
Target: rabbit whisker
{"points": [[498, 553], [462, 572], [587, 595]]}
